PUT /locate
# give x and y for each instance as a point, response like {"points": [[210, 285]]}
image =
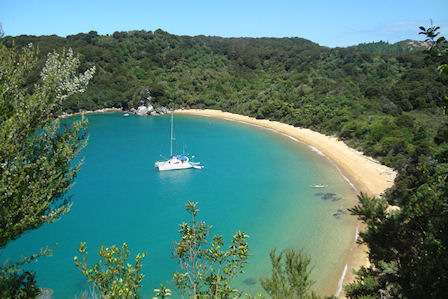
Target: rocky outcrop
{"points": [[160, 111], [144, 110], [150, 110]]}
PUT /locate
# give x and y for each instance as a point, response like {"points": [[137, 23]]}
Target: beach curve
{"points": [[362, 172]]}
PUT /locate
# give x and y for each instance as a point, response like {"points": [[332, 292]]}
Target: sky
{"points": [[327, 22]]}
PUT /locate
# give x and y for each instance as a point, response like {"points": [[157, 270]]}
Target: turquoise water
{"points": [[254, 180]]}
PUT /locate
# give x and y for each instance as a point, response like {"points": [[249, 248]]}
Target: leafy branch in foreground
{"points": [[438, 51], [290, 276], [112, 276], [15, 283], [438, 47], [36, 154], [407, 245], [162, 292], [206, 269]]}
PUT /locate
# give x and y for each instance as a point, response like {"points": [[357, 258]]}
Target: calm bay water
{"points": [[254, 180]]}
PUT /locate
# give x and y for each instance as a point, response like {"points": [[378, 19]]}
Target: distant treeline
{"points": [[383, 104], [382, 47]]}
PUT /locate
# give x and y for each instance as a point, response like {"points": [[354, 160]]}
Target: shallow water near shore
{"points": [[254, 180]]}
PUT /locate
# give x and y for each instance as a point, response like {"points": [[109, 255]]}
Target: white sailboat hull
{"points": [[172, 165]]}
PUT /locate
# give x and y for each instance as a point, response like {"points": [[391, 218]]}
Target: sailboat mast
{"points": [[171, 147]]}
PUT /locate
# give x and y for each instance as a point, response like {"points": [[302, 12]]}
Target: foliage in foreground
{"points": [[206, 268], [35, 152], [15, 283], [163, 292], [113, 277], [408, 245], [290, 276]]}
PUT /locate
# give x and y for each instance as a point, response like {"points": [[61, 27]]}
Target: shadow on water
{"points": [[333, 197], [328, 196], [250, 281], [340, 212]]}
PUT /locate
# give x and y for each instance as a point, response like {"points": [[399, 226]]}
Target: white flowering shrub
{"points": [[35, 151]]}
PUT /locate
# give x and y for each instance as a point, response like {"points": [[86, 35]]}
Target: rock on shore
{"points": [[150, 110], [160, 111], [144, 110]]}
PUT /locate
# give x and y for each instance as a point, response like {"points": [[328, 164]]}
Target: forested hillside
{"points": [[402, 47], [382, 104]]}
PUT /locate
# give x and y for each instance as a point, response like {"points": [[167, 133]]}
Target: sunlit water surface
{"points": [[254, 180]]}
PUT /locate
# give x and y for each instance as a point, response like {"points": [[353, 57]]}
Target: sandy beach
{"points": [[364, 173]]}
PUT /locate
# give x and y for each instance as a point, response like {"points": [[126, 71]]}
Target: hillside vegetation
{"points": [[383, 104]]}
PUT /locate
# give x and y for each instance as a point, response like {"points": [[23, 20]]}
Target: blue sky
{"points": [[329, 23]]}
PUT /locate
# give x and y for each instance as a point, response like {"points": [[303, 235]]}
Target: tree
{"points": [[290, 276], [371, 281], [113, 277], [36, 153], [408, 244], [17, 284], [438, 47], [438, 51], [206, 269]]}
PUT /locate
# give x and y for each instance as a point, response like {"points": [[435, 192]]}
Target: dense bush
{"points": [[358, 93]]}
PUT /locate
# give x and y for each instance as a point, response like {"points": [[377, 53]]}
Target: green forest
{"points": [[387, 100], [383, 104]]}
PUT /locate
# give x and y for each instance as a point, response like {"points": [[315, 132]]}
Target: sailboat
{"points": [[176, 161]]}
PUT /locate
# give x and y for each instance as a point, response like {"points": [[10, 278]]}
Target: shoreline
{"points": [[103, 110], [361, 172], [365, 173]]}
